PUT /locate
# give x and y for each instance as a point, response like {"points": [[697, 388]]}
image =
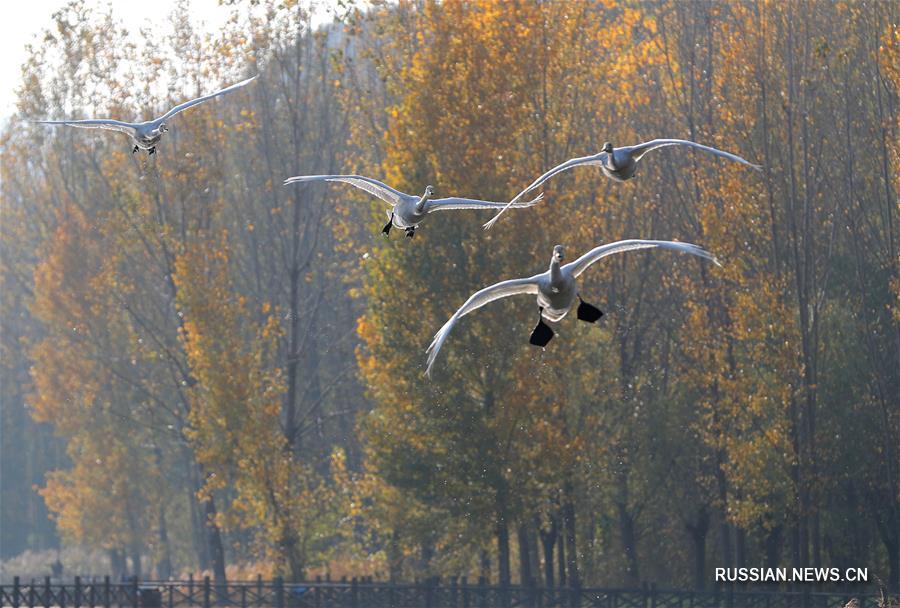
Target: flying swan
{"points": [[619, 163], [407, 211], [556, 290], [145, 135]]}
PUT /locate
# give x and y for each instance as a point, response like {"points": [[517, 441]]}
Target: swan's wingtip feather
{"points": [[536, 200]]}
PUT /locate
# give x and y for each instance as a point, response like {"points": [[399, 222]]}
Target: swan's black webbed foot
{"points": [[387, 227], [135, 149], [410, 232], [588, 313], [542, 333], [152, 150]]}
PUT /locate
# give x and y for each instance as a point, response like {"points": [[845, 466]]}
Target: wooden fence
{"points": [[366, 593]]}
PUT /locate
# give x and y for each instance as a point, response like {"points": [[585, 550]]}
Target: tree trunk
{"points": [[698, 531], [724, 526], [290, 549], [395, 558], [485, 566], [136, 568], [740, 547], [199, 533], [214, 539], [503, 552], [118, 567], [524, 556], [773, 545], [561, 557], [548, 540], [892, 547], [427, 554], [164, 567], [534, 553], [627, 534], [571, 547]]}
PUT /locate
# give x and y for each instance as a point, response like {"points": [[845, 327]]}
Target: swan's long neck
{"points": [[555, 271], [611, 160], [420, 206]]}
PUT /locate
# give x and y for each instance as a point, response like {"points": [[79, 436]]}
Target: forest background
{"points": [[205, 370]]}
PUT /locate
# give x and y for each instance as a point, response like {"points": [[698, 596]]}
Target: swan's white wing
{"points": [[639, 150], [596, 159], [581, 264], [442, 204], [95, 123], [372, 186], [477, 300], [193, 102]]}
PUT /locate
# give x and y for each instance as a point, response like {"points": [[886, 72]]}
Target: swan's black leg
{"points": [[387, 227], [135, 149], [588, 313], [410, 232], [153, 150], [542, 333]]}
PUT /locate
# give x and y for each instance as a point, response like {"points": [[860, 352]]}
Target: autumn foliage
{"points": [[254, 354]]}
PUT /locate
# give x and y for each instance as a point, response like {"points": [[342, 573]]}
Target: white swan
{"points": [[407, 211], [145, 135], [556, 290], [619, 163]]}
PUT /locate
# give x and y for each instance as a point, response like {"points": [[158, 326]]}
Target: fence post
{"points": [[171, 589], [106, 601], [15, 592], [464, 581], [48, 597], [482, 592], [31, 594], [135, 600], [354, 593], [206, 590], [76, 601]]}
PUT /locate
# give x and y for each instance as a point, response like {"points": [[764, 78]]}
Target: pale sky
{"points": [[27, 18]]}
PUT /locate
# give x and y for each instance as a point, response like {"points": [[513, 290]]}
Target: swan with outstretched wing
{"points": [[407, 211], [144, 135], [619, 164], [556, 290]]}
